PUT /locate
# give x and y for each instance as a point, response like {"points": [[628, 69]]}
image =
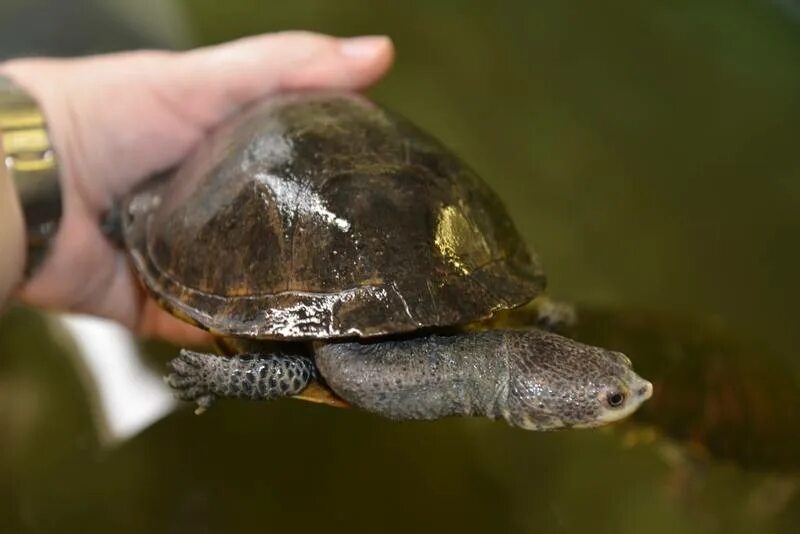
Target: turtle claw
{"points": [[187, 360], [203, 404], [187, 380], [180, 383]]}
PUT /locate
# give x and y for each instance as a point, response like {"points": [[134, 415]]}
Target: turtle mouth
{"points": [[643, 391]]}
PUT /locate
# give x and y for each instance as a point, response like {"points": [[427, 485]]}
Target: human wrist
{"points": [[12, 234], [31, 204]]}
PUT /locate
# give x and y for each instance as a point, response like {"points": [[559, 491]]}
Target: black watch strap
{"points": [[31, 163]]}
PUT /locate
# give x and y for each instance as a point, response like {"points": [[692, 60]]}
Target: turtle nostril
{"points": [[646, 390]]}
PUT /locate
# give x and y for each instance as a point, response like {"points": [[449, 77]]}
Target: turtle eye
{"points": [[615, 399]]}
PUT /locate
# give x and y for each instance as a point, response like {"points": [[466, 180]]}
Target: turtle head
{"points": [[555, 382]]}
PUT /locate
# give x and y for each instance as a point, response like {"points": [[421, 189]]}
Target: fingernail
{"points": [[362, 47]]}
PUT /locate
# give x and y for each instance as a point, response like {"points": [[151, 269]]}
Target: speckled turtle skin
{"points": [[322, 215]]}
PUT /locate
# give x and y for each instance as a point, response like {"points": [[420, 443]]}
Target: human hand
{"points": [[117, 119]]}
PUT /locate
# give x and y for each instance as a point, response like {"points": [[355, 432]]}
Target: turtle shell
{"points": [[322, 215]]}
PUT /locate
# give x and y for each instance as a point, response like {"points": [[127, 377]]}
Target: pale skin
{"points": [[117, 119]]}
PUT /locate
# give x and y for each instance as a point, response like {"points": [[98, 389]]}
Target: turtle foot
{"points": [[201, 377], [189, 379], [554, 315]]}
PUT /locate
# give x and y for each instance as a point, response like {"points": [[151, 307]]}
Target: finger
{"points": [[155, 322], [358, 62], [97, 279], [83, 272], [207, 84]]}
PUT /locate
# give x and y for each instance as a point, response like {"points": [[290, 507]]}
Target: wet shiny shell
{"points": [[321, 215]]}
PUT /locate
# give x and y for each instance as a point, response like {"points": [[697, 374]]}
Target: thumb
{"points": [[209, 83], [117, 118]]}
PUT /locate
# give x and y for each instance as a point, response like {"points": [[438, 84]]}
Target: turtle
{"points": [[339, 253]]}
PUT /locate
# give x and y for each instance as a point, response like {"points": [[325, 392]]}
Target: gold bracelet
{"points": [[31, 163]]}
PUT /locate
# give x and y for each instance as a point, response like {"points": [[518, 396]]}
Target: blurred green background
{"points": [[649, 152]]}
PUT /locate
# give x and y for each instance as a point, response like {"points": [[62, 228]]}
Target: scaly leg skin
{"points": [[202, 377]]}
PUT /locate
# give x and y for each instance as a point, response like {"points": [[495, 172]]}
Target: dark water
{"points": [[648, 152]]}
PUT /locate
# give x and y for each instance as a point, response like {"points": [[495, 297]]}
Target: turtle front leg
{"points": [[203, 377], [553, 315]]}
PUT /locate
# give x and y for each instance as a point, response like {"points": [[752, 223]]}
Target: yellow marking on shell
{"points": [[319, 394], [237, 291], [459, 241], [224, 346], [216, 333]]}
